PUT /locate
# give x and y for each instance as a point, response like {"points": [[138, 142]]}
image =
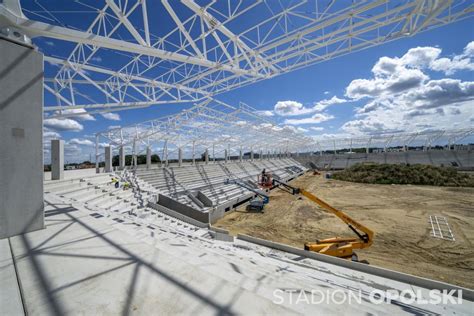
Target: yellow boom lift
{"points": [[337, 246]]}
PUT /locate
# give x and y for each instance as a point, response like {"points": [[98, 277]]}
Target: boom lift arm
{"points": [[339, 247]]}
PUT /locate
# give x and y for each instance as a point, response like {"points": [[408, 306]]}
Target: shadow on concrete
{"points": [[56, 305]]}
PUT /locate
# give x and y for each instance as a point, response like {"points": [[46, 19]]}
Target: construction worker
{"points": [[264, 177], [115, 182], [126, 185]]}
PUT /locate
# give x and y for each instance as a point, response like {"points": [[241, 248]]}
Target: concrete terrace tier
{"points": [[461, 159], [147, 263], [201, 187]]}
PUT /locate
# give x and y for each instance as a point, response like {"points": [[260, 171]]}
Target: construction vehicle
{"points": [[337, 246], [257, 203]]}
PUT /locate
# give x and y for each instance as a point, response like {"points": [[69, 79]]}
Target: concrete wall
{"points": [[21, 139], [183, 209], [177, 215], [462, 159]]}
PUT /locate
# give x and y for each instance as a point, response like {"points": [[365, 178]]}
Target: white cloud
{"points": [[420, 57], [367, 126], [323, 104], [81, 142], [294, 108], [459, 62], [48, 135], [78, 115], [111, 116], [294, 129], [397, 75], [441, 92], [291, 108], [63, 124], [113, 127], [315, 119], [326, 92], [96, 59], [316, 128], [402, 97], [400, 80], [265, 113]]}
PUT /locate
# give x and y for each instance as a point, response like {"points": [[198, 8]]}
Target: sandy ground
{"points": [[399, 215]]}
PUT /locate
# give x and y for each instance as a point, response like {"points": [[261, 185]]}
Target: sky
{"points": [[412, 84]]}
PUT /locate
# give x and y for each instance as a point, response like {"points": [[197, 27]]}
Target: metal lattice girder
{"points": [[210, 124], [426, 139], [213, 46]]}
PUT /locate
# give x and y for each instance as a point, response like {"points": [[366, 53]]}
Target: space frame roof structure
{"points": [[209, 124], [427, 139], [209, 46], [189, 51]]}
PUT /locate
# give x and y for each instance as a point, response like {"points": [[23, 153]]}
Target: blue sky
{"points": [[391, 87]]}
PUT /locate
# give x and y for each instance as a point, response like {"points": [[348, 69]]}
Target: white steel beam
{"points": [[36, 28]]}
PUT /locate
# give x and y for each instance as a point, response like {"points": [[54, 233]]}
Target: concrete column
{"points": [[261, 155], [121, 158], [108, 159], [251, 154], [268, 154], [134, 157], [225, 155], [213, 154], [194, 153], [97, 169], [180, 157], [148, 157], [166, 153], [21, 139], [57, 159], [206, 156], [240, 154]]}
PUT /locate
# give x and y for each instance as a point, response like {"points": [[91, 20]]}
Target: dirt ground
{"points": [[398, 214]]}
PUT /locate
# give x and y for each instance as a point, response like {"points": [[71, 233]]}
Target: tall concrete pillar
{"points": [[180, 157], [240, 154], [206, 156], [213, 154], [134, 157], [108, 159], [21, 139], [57, 159], [194, 152], [148, 157], [261, 155], [225, 155], [121, 158], [251, 154]]}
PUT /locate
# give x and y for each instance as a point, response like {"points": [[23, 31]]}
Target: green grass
{"points": [[405, 174]]}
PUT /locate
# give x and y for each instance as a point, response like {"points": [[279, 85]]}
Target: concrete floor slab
{"points": [[82, 264], [10, 298]]}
